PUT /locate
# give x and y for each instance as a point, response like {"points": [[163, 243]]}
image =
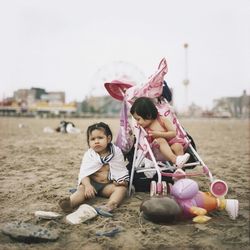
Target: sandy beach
{"points": [[38, 169]]}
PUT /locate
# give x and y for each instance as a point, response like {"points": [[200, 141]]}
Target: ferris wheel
{"points": [[116, 70]]}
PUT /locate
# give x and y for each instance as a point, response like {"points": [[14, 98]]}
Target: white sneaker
{"points": [[181, 160], [83, 213], [232, 207]]}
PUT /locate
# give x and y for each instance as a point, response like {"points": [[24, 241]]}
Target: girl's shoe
{"points": [[181, 160]]}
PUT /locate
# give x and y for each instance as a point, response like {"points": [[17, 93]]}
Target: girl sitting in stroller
{"points": [[161, 132]]}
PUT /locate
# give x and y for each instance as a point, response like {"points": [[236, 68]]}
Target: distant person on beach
{"points": [[103, 172], [161, 131], [66, 127]]}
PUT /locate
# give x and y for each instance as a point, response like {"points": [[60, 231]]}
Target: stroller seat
{"points": [[148, 159]]}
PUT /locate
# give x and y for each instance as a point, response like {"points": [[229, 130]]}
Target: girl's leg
{"points": [[166, 150], [177, 148], [116, 195], [181, 158]]}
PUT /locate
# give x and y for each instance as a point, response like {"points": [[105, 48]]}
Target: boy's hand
{"points": [[90, 191], [121, 183]]}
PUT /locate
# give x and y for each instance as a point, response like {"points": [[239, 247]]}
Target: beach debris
{"points": [[72, 190], [201, 219], [29, 233], [21, 125], [110, 232], [47, 215], [83, 213], [48, 130], [232, 208], [160, 209]]}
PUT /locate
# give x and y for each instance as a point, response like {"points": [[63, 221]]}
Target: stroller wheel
{"points": [[218, 188], [159, 188], [164, 188], [152, 188]]}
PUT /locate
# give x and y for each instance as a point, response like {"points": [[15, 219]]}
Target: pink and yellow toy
{"points": [[196, 204]]}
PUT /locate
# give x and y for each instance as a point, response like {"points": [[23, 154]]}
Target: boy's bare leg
{"points": [[166, 150], [78, 197], [69, 203], [116, 195]]}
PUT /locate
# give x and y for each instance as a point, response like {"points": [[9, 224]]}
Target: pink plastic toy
{"points": [[195, 203]]}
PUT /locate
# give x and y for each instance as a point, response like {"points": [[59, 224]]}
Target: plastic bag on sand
{"points": [[83, 213]]}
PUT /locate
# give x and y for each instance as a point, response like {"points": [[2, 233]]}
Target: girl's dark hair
{"points": [[144, 107], [99, 126]]}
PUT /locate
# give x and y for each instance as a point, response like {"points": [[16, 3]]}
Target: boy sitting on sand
{"points": [[103, 172]]}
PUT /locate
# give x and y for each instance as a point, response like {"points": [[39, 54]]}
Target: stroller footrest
{"points": [[140, 170], [192, 164]]}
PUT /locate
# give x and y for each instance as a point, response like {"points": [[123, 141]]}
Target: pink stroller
{"points": [[146, 159]]}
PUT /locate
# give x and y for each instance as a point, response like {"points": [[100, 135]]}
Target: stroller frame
{"points": [[160, 167], [127, 93]]}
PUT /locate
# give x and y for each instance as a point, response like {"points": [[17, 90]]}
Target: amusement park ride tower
{"points": [[186, 81]]}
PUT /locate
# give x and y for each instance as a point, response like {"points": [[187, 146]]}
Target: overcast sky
{"points": [[75, 45]]}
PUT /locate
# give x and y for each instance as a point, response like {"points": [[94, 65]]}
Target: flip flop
{"points": [[72, 190], [101, 211], [110, 233]]}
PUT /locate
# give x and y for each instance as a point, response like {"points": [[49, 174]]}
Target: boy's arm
{"points": [[121, 183], [85, 181], [89, 190]]}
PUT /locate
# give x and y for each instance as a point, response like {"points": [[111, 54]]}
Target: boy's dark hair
{"points": [[144, 107], [99, 126]]}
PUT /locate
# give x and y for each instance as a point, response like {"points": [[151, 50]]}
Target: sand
{"points": [[37, 169]]}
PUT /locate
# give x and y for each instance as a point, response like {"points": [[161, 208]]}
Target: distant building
{"points": [[101, 105], [31, 96], [54, 97], [233, 106], [37, 101], [37, 93], [245, 105], [28, 96], [21, 95], [194, 110]]}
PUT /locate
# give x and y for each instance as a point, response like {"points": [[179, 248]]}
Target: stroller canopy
{"points": [[117, 88]]}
